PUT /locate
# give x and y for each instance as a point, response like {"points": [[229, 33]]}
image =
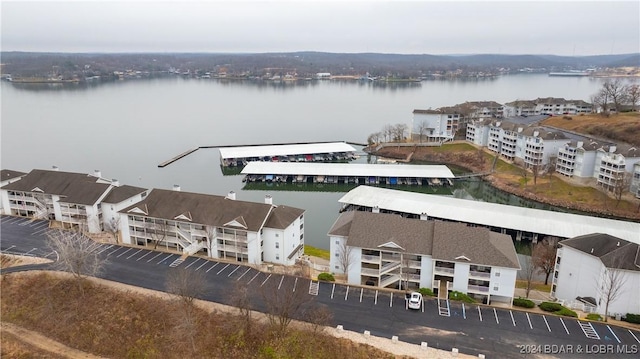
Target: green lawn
{"points": [[316, 252], [534, 286]]}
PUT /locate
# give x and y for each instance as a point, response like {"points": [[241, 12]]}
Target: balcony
{"points": [[370, 259], [370, 272], [231, 237], [414, 264], [389, 267], [391, 257], [444, 271], [482, 275], [477, 289], [232, 248]]}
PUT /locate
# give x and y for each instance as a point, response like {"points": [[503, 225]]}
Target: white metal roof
{"points": [[564, 225], [285, 150], [347, 169]]}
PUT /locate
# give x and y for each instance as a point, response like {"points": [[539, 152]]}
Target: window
{"points": [[497, 274], [277, 245], [337, 241], [558, 260], [277, 235], [496, 287], [337, 254], [277, 256], [337, 267]]}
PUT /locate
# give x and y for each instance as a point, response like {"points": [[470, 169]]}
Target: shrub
{"points": [[550, 306], [566, 312], [426, 291], [632, 318], [455, 295], [326, 277], [594, 316], [523, 302]]}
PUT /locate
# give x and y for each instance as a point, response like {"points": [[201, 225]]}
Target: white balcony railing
{"points": [[370, 272], [479, 274], [370, 259], [444, 270], [477, 288]]}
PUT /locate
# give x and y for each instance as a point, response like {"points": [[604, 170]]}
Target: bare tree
{"points": [[113, 227], [551, 168], [527, 273], [616, 92], [345, 257], [158, 229], [601, 100], [422, 129], [622, 182], [241, 300], [612, 282], [282, 306], [319, 317], [633, 95], [543, 258], [399, 131], [387, 132], [76, 253], [187, 286]]}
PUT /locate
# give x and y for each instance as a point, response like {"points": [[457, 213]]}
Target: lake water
{"points": [[125, 129]]}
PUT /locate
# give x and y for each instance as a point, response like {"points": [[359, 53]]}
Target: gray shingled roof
{"points": [[282, 216], [442, 240], [121, 193], [6, 175], [614, 252], [203, 208], [77, 188]]}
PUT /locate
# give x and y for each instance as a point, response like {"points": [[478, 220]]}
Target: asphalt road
{"points": [[472, 329]]}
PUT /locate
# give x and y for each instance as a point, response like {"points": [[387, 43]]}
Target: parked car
{"points": [[415, 300]]}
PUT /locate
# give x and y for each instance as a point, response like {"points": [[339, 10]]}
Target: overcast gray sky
{"points": [[408, 27]]}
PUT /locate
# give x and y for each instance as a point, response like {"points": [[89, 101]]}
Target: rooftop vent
{"points": [[176, 187]]}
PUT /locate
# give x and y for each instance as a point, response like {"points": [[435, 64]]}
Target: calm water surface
{"points": [[125, 129]]}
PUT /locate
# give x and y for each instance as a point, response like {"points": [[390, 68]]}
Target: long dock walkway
{"points": [[183, 154]]}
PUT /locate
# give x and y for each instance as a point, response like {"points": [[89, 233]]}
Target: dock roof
{"points": [[285, 150], [347, 169], [564, 225]]}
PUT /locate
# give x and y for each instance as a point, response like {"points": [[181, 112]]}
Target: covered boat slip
{"points": [[341, 173], [307, 152]]}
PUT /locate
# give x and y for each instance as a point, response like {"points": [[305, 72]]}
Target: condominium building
{"points": [[6, 177], [219, 226], [614, 167], [577, 158], [635, 180], [589, 267], [546, 106], [72, 199], [390, 251], [434, 125]]}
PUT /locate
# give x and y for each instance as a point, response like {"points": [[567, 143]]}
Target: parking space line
{"points": [[512, 318], [119, 255], [134, 253], [391, 300], [192, 263], [294, 284], [281, 279], [496, 314], [588, 330], [634, 336], [265, 280], [547, 323], [154, 257], [332, 290], [247, 271], [106, 248], [361, 291], [40, 231], [223, 268], [565, 327], [375, 302], [464, 313], [233, 271], [203, 264], [212, 267], [480, 313], [254, 277], [31, 250], [144, 255], [614, 334], [346, 293], [35, 223], [115, 250], [167, 257], [529, 319], [9, 248]]}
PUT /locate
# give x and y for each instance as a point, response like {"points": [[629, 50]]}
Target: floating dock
{"points": [[302, 152], [345, 173], [183, 154]]}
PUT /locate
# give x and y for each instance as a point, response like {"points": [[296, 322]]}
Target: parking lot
{"points": [[26, 237]]}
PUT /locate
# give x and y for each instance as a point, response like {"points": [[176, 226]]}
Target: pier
{"points": [[183, 154]]}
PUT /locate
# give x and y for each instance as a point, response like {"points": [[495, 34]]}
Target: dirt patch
{"points": [[10, 260]]}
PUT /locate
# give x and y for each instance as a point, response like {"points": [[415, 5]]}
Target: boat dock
{"points": [[348, 173], [239, 156], [183, 154]]}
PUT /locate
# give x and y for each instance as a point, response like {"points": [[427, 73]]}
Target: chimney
{"points": [[612, 149], [580, 143], [97, 173], [423, 216], [618, 245], [375, 209], [231, 196], [176, 187], [268, 199], [55, 168], [115, 182]]}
